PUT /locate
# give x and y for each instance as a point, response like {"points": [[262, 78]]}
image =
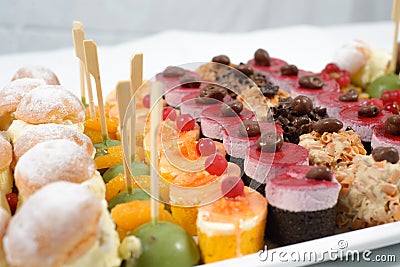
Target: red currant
{"points": [[377, 102], [330, 68], [232, 187], [146, 101], [344, 78], [12, 200], [391, 96], [169, 113], [392, 107], [185, 122], [216, 164], [206, 147]]}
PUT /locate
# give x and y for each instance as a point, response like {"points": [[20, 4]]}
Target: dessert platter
{"points": [[217, 163]]}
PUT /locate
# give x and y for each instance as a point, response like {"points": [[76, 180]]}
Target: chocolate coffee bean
{"points": [[311, 82], [249, 128], [319, 173], [261, 57], [302, 105], [328, 125], [245, 69], [173, 72], [390, 154], [222, 59], [270, 142], [189, 81], [392, 125], [301, 120], [350, 95], [212, 93], [369, 111], [232, 108], [289, 70]]}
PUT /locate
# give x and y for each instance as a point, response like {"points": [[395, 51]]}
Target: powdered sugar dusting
{"points": [[52, 161], [50, 103], [51, 131], [37, 72], [52, 225], [14, 91]]}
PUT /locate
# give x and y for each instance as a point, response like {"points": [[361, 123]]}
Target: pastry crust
{"points": [[37, 72], [51, 161], [50, 104], [5, 153], [54, 227]]}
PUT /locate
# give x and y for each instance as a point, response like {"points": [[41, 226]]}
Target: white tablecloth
{"points": [[310, 48]]}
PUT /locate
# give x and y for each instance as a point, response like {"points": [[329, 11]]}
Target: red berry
{"points": [[344, 78], [206, 147], [330, 68], [169, 113], [146, 101], [185, 122], [392, 107], [377, 102], [232, 187], [12, 200], [216, 164], [391, 96]]}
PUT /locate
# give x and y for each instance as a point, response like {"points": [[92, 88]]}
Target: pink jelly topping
{"points": [[191, 100], [380, 132], [350, 114], [232, 130], [275, 66], [295, 177], [289, 154], [214, 113]]}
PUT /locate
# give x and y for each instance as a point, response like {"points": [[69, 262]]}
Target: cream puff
{"points": [[37, 72], [47, 132], [56, 160], [11, 95], [47, 104], [4, 219], [6, 181], [62, 224]]}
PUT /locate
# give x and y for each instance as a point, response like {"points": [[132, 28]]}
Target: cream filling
{"points": [[6, 180], [104, 252], [225, 228], [96, 185], [18, 127]]}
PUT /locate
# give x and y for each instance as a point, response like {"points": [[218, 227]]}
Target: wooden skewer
{"points": [[155, 118], [135, 82], [395, 18], [92, 65], [123, 96], [78, 36]]}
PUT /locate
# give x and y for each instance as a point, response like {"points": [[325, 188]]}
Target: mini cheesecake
{"points": [[333, 103], [189, 85], [300, 88], [171, 77], [302, 204], [260, 167], [213, 121], [285, 81], [364, 126], [387, 134], [232, 227], [210, 96], [273, 68]]}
